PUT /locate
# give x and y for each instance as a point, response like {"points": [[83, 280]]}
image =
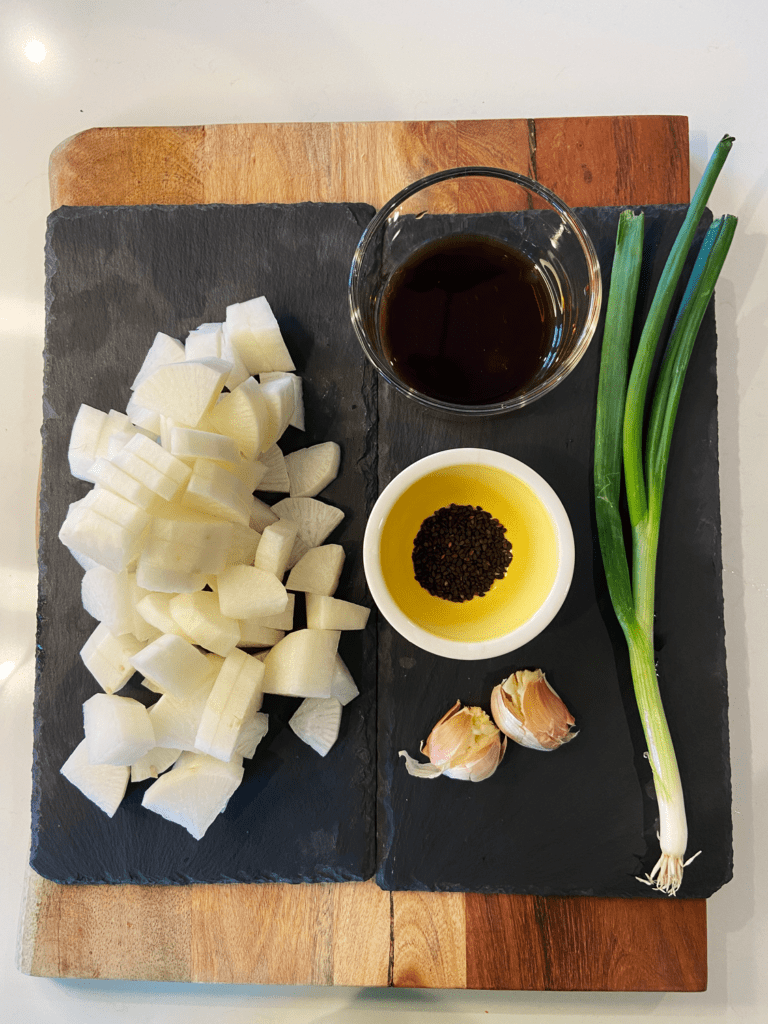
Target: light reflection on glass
{"points": [[35, 51]]}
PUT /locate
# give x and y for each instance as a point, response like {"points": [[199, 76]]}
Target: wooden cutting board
{"points": [[356, 934]]}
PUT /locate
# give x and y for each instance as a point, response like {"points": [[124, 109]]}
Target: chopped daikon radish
{"points": [[325, 612], [251, 735], [202, 444], [243, 415], [312, 469], [246, 592], [156, 577], [118, 730], [276, 476], [275, 547], [253, 633], [208, 340], [244, 544], [342, 684], [184, 391], [252, 329], [84, 441], [316, 519], [317, 721], [318, 571], [279, 396], [174, 665], [154, 763], [302, 663], [283, 620], [153, 608], [108, 657], [115, 479], [213, 490], [297, 420], [147, 419], [159, 458], [98, 538], [249, 471], [195, 542], [261, 515], [200, 618], [103, 784], [176, 721], [156, 482], [235, 698], [118, 510], [107, 596], [163, 349], [194, 792]]}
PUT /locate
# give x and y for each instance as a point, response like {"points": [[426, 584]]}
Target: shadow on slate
{"points": [[116, 276], [583, 819]]}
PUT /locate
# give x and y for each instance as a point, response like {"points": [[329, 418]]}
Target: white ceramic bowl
{"points": [[515, 609]]}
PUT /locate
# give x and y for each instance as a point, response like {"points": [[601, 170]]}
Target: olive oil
{"points": [[468, 320]]}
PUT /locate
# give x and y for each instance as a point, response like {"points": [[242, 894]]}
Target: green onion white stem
{"points": [[620, 418]]}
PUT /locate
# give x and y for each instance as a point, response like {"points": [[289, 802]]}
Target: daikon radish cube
{"points": [[297, 420], [153, 608], [147, 419], [90, 534], [279, 396], [154, 763], [316, 721], [312, 469], [117, 480], [118, 510], [235, 698], [164, 349], [261, 515], [213, 490], [275, 547], [316, 519], [103, 784], [318, 571], [196, 542], [246, 592], [108, 657], [159, 458], [160, 578], [276, 476], [244, 416], [118, 730], [142, 629], [202, 444], [302, 663], [184, 391], [174, 665], [208, 340], [343, 686], [252, 329], [325, 612], [155, 481], [84, 441], [253, 633], [248, 471], [244, 544], [251, 735], [176, 721], [194, 792], [200, 618], [284, 619], [107, 597]]}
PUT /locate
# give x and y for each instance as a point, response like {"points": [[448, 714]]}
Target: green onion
{"points": [[621, 410]]}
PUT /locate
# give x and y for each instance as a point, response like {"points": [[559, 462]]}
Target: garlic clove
{"points": [[527, 709], [465, 744]]}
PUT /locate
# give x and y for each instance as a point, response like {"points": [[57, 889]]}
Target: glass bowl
{"points": [[475, 291], [517, 607]]}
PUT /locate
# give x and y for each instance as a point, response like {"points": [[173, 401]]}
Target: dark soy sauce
{"points": [[467, 320]]}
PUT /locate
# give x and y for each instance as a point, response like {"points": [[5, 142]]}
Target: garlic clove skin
{"points": [[465, 745], [527, 709]]}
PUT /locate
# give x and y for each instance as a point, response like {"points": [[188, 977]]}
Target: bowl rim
{"points": [[481, 649], [593, 312]]}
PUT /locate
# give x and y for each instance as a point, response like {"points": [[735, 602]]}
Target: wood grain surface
{"points": [[356, 934]]}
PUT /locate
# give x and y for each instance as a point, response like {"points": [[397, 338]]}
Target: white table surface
{"points": [[156, 62]]}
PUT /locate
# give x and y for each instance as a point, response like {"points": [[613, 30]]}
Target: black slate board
{"points": [[115, 277], [581, 820]]}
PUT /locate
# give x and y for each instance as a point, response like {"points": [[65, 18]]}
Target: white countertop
{"points": [[157, 62]]}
